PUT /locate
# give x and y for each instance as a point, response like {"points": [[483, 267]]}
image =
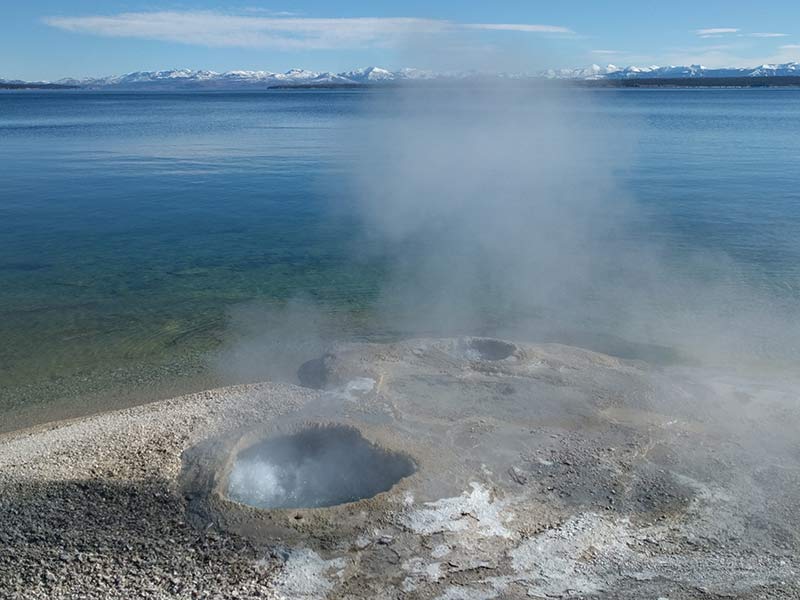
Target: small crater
{"points": [[316, 467], [488, 349], [311, 374]]}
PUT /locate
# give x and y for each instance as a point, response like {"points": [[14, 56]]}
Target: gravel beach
{"points": [[91, 509]]}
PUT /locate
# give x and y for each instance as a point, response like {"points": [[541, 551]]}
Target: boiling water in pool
{"points": [[316, 467]]}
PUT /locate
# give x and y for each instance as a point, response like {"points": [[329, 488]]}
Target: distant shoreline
{"points": [[678, 82], [37, 86], [638, 82], [686, 82]]}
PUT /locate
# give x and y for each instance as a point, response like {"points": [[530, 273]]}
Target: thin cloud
{"points": [[790, 47], [716, 31], [284, 33], [606, 52], [519, 27], [272, 13], [215, 29], [767, 35]]}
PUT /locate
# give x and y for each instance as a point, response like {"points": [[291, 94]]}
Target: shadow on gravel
{"points": [[100, 539]]}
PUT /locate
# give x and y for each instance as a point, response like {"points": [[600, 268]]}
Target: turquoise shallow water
{"points": [[133, 227]]}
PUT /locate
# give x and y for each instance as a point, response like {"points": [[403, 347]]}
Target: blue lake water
{"points": [[132, 226]]}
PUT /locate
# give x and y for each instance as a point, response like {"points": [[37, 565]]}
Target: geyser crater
{"points": [[316, 467], [491, 350]]}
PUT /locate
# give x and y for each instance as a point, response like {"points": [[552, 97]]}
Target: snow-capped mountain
{"points": [[187, 79], [672, 72], [369, 74], [784, 70]]}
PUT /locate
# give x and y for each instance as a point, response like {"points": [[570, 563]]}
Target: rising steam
{"points": [[501, 209], [498, 210]]}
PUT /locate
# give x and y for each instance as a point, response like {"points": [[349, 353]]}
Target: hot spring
{"points": [[491, 350], [316, 467]]}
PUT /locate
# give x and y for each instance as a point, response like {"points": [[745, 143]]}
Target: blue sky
{"points": [[49, 39]]}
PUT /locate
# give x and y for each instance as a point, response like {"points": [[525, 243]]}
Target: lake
{"points": [[150, 242]]}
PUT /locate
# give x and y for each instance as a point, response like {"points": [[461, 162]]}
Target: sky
{"points": [[44, 40]]}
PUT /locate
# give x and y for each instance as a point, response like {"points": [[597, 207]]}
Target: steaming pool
{"points": [[317, 467], [490, 349]]}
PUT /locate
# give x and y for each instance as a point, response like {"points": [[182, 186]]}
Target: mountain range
{"points": [[178, 79], [790, 69]]}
